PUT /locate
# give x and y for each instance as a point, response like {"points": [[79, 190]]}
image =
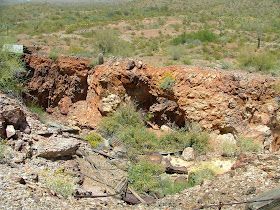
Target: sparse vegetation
{"points": [[53, 55], [2, 150], [38, 110], [197, 177], [229, 149], [167, 82], [10, 65], [144, 177], [249, 145], [94, 139], [61, 183]]}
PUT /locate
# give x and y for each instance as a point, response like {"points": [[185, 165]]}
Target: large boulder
{"points": [[56, 147]]}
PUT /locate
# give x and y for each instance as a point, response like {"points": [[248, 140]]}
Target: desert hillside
{"points": [[139, 104]]}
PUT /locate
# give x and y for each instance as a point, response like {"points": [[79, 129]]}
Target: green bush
{"points": [[199, 141], [144, 176], [38, 110], [169, 188], [259, 61], [94, 139], [197, 177], [138, 139], [175, 52], [167, 82], [248, 145], [125, 115], [62, 184], [10, 64], [175, 140], [202, 35], [53, 55], [229, 149]]}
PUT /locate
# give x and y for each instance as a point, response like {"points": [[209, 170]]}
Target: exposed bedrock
{"points": [[220, 101]]}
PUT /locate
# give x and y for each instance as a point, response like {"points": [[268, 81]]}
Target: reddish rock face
{"points": [[220, 101], [53, 80]]}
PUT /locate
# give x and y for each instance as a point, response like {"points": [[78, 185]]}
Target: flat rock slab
{"points": [[56, 147], [269, 200]]}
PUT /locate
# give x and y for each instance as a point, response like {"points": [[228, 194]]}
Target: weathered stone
{"points": [[14, 116], [10, 131], [64, 105], [165, 128], [110, 103], [176, 170], [56, 147], [266, 204], [155, 158], [226, 138], [130, 65], [188, 154]]}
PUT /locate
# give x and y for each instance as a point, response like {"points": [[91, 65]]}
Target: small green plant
{"points": [[169, 188], [229, 149], [53, 55], [144, 176], [62, 184], [199, 141], [138, 139], [10, 64], [167, 82], [202, 35], [38, 110], [175, 140], [94, 139], [175, 52], [248, 145], [259, 61], [125, 115], [197, 177]]}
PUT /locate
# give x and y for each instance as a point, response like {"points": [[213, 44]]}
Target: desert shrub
{"points": [[229, 149], [175, 140], [53, 54], [202, 35], [187, 61], [169, 188], [175, 52], [94, 139], [10, 65], [125, 115], [167, 82], [199, 141], [108, 42], [93, 63], [197, 177], [259, 61], [248, 145], [144, 176], [38, 110], [61, 183], [138, 139]]}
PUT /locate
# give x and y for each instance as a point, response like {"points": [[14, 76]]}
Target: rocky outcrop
{"points": [[12, 118], [52, 81], [224, 102]]}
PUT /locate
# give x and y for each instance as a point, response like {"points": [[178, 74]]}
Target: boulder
{"points": [[56, 147], [188, 154], [226, 138], [14, 116], [64, 105], [130, 65], [165, 128], [10, 131]]}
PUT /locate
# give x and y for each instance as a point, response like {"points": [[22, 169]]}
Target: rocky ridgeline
{"points": [[225, 103]]}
